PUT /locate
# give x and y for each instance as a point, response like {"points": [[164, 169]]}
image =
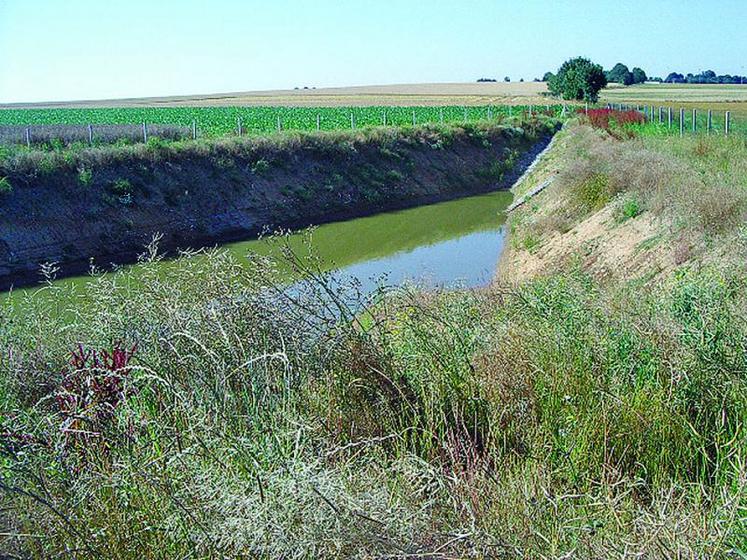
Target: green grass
{"points": [[559, 418], [536, 419], [215, 121]]}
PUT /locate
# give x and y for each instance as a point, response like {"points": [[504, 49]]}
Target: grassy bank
{"points": [[573, 414], [71, 205]]}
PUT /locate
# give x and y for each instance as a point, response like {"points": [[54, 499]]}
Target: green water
{"points": [[449, 243]]}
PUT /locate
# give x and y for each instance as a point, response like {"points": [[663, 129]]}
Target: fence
{"points": [[89, 134], [214, 122], [679, 120]]}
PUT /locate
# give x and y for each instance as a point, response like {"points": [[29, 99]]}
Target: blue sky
{"points": [[92, 49]]}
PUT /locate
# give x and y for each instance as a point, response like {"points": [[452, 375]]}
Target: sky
{"points": [[54, 50]]}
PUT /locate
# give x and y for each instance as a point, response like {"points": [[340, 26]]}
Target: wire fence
{"points": [[670, 119], [24, 126], [67, 134]]}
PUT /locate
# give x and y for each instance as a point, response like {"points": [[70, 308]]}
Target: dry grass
{"points": [[633, 209]]}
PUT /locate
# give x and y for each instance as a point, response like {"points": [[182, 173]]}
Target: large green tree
{"points": [[578, 79], [620, 74], [639, 76]]}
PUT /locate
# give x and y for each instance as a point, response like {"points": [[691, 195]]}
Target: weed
{"points": [[5, 186], [85, 176], [261, 167], [629, 207]]}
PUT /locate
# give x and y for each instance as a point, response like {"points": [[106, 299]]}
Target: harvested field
{"points": [[690, 96], [518, 93]]}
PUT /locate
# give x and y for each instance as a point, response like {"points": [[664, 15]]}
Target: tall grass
{"points": [[550, 420]]}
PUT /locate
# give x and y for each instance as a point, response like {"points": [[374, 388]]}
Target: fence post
{"points": [[465, 113], [441, 114], [280, 124], [384, 117], [586, 108], [145, 132], [669, 118], [682, 122], [352, 121], [194, 129], [510, 111], [727, 122], [413, 117], [90, 135], [490, 113], [695, 120], [238, 125], [318, 122], [28, 137], [661, 114], [709, 126]]}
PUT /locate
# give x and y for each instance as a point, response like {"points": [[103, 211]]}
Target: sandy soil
{"points": [[600, 246]]}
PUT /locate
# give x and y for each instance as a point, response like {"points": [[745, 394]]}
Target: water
{"points": [[446, 244]]}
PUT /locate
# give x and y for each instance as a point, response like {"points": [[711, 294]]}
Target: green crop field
{"points": [[215, 121]]}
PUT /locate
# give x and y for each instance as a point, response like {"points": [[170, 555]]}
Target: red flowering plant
{"points": [[616, 123], [93, 387]]}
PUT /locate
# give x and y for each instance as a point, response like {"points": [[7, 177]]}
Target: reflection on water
{"points": [[456, 242]]}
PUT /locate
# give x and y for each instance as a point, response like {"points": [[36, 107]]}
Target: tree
{"points": [[578, 79], [639, 76], [675, 78], [506, 79], [548, 76], [620, 74]]}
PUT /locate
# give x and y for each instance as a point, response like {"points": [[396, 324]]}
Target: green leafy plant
{"points": [[630, 207], [5, 186], [85, 176], [121, 187]]}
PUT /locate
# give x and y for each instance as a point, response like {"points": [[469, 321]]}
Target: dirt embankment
{"points": [[107, 204], [549, 233]]}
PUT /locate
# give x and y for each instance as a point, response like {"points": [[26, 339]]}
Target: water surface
{"points": [[446, 244]]}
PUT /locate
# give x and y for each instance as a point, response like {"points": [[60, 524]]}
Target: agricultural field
{"points": [[688, 96], [496, 93], [216, 121]]}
